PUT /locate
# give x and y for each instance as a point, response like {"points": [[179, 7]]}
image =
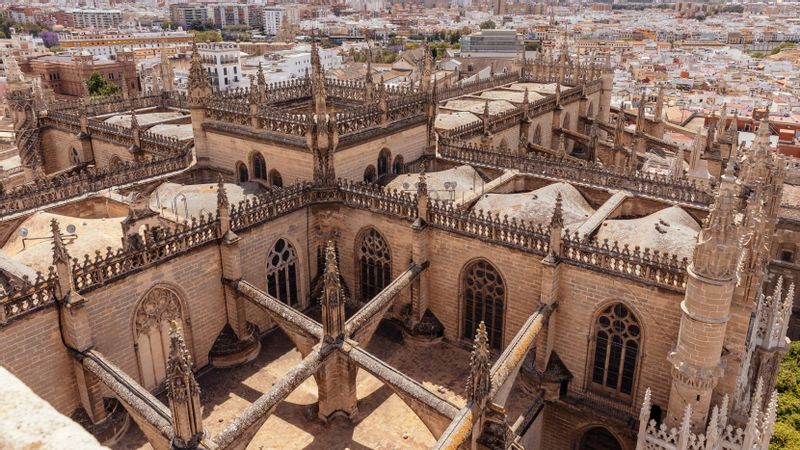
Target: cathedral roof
{"points": [[452, 184], [671, 230], [537, 206]]}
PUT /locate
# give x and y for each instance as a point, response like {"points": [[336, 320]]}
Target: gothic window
{"points": [[484, 301], [537, 135], [375, 264], [241, 171], [598, 438], [590, 110], [74, 157], [398, 165], [275, 178], [616, 349], [115, 162], [384, 158], [259, 167], [156, 310], [369, 174], [565, 123], [282, 273]]}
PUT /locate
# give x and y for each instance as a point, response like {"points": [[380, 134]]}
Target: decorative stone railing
{"points": [[477, 86], [117, 134], [50, 190], [489, 228], [268, 206], [658, 268], [115, 104], [158, 246], [377, 199], [27, 297], [647, 184]]}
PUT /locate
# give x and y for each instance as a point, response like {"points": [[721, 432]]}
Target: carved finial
{"points": [[199, 86], [222, 194], [723, 117], [659, 111], [262, 82], [562, 146], [333, 314], [676, 169], [183, 392], [60, 253], [557, 220], [715, 255], [134, 120], [422, 185], [479, 383]]}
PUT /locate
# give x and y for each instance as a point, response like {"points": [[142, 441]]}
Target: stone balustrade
{"points": [[574, 171], [50, 190], [27, 296]]}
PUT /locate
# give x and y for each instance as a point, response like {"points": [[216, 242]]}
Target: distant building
{"points": [[273, 17], [67, 74], [221, 14], [221, 60], [492, 43], [93, 18], [110, 44]]}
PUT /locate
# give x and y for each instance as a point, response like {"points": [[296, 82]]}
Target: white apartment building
{"points": [[273, 18], [287, 64], [221, 60], [93, 18]]}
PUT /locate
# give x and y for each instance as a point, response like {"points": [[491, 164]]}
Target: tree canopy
{"points": [[488, 25], [787, 421], [207, 36], [99, 86]]}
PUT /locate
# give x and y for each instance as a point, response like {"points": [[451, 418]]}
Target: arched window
{"points": [[398, 166], [616, 349], [384, 159], [566, 121], [275, 178], [115, 162], [282, 273], [259, 167], [369, 174], [74, 157], [241, 170], [537, 135], [375, 264], [151, 333], [598, 438], [484, 301], [590, 110]]}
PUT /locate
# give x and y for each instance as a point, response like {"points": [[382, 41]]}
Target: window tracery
{"points": [[376, 264], [616, 349], [484, 301]]}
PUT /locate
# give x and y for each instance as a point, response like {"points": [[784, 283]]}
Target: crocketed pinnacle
{"points": [[479, 383], [333, 316], [181, 382], [557, 220], [422, 186], [222, 195], [715, 255], [60, 253]]}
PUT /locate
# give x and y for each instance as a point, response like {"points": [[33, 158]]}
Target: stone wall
{"points": [[31, 349], [195, 277]]}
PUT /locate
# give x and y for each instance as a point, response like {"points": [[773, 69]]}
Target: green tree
{"points": [[533, 45], [99, 86], [787, 421], [488, 25], [207, 36]]}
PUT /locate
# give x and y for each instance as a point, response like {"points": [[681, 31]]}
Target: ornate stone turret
{"points": [[556, 229], [223, 208], [696, 358], [199, 86], [198, 90], [183, 393], [676, 169], [422, 197], [369, 84], [136, 132], [485, 119], [721, 120], [427, 69], [262, 84], [640, 118], [658, 114], [479, 382], [62, 262], [318, 89], [333, 317], [166, 73], [322, 138]]}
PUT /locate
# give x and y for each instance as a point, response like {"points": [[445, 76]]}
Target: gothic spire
{"points": [[317, 81], [479, 383], [333, 314], [715, 255], [183, 393], [640, 114], [557, 220], [427, 69], [659, 111], [222, 194], [723, 117], [134, 120], [199, 86], [60, 253], [676, 169]]}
